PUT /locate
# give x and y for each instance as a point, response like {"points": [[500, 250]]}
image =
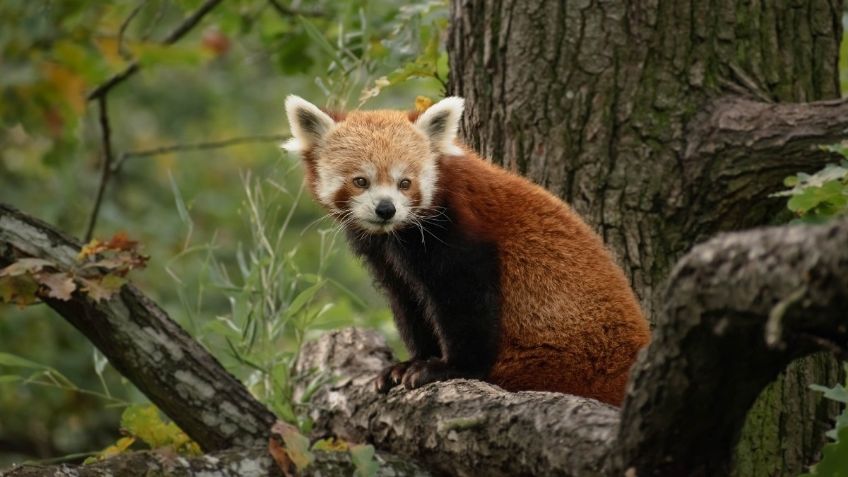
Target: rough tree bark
{"points": [[662, 122], [764, 298], [247, 462], [146, 346]]}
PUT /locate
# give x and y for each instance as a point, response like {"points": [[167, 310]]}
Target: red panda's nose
{"points": [[385, 209]]}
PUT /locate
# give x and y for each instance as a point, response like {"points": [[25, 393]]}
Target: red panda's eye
{"points": [[405, 184], [360, 182]]}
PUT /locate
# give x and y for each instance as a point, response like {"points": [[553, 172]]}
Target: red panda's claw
{"points": [[425, 372], [391, 376]]}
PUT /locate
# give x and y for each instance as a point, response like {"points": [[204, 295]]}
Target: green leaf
{"points": [[319, 39], [182, 211], [834, 461], [837, 393], [363, 459], [804, 201], [303, 298], [7, 359]]}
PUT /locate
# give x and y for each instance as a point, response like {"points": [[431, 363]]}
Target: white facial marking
{"points": [[397, 173], [427, 183], [364, 208]]}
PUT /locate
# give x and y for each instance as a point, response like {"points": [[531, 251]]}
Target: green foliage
{"points": [[813, 199], [818, 197], [273, 303], [143, 422], [226, 78], [363, 459], [834, 461]]}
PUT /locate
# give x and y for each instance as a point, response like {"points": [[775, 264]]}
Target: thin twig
{"points": [[106, 171], [180, 31], [290, 12], [122, 49], [838, 350], [197, 146]]}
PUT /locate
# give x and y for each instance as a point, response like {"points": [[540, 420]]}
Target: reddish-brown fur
{"points": [[569, 320]]}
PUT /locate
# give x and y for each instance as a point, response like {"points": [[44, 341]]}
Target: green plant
{"points": [[820, 196], [834, 462], [274, 305], [371, 57]]}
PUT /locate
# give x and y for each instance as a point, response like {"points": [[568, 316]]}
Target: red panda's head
{"points": [[375, 170]]}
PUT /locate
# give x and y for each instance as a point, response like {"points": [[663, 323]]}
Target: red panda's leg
{"points": [[463, 284], [414, 329]]}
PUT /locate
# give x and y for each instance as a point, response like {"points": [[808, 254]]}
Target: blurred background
{"points": [[239, 254]]}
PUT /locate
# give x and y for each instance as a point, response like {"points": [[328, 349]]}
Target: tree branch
{"points": [[181, 30], [106, 166], [459, 427], [738, 151], [122, 48], [173, 370], [250, 462], [736, 125], [716, 347], [197, 146]]}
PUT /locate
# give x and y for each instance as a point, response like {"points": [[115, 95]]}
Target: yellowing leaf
{"points": [[117, 448], [70, 85], [18, 289], [108, 47], [91, 248], [281, 458], [58, 285], [120, 241], [100, 289], [422, 103], [25, 266], [119, 254], [331, 444], [296, 447], [145, 423]]}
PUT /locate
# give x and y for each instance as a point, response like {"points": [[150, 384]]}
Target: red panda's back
{"points": [[569, 319]]}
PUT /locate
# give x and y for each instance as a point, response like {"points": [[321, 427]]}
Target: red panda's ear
{"points": [[308, 124], [440, 123]]}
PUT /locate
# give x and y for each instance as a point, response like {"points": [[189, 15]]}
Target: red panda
{"points": [[488, 275]]}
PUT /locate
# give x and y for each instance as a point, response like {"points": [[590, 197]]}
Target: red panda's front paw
{"points": [[391, 376], [424, 372]]}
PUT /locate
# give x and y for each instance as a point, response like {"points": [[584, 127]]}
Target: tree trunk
{"points": [[662, 122]]}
